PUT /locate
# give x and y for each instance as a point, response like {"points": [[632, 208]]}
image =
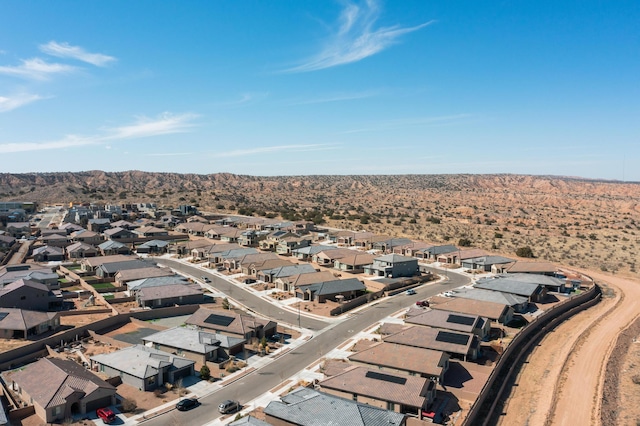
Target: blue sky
{"points": [[300, 87]]}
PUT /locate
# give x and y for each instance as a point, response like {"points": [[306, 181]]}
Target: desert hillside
{"points": [[587, 223]]}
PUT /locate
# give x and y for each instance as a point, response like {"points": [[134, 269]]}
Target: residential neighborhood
{"points": [[134, 312]]}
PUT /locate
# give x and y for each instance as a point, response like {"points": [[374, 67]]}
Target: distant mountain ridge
{"points": [[568, 220]]}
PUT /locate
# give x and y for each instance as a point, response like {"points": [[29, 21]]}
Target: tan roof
{"points": [[471, 253], [357, 259], [147, 229], [94, 262], [140, 273], [408, 390], [332, 366], [50, 381], [481, 308], [391, 328], [535, 267], [238, 323], [401, 357], [257, 259], [167, 291], [22, 319], [336, 253], [311, 278], [442, 319], [426, 337], [271, 264]]}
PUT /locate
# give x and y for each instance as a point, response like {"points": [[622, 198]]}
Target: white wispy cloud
{"points": [[277, 148], [444, 120], [65, 50], [169, 154], [355, 38], [144, 127], [166, 123], [36, 69], [8, 103], [338, 97]]}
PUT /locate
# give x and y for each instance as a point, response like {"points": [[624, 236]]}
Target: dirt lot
{"points": [[571, 361]]}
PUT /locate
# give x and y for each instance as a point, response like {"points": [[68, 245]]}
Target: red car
{"points": [[422, 303], [106, 415]]}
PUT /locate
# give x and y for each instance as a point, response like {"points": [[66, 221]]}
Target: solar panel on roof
{"points": [[3, 315], [386, 377], [459, 319], [219, 320], [455, 338]]}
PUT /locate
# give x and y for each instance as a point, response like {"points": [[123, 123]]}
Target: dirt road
{"points": [[563, 380]]}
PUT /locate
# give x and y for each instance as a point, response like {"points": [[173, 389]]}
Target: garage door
{"points": [[185, 372], [98, 403]]}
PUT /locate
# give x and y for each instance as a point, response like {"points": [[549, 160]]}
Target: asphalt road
{"points": [[247, 298], [261, 381]]}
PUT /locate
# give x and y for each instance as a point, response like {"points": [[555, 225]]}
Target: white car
{"points": [[410, 292]]}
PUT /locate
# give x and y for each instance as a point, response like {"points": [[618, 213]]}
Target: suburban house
{"points": [[206, 248], [91, 264], [110, 269], [80, 250], [98, 225], [411, 248], [18, 229], [432, 253], [307, 253], [124, 276], [270, 275], [230, 235], [196, 345], [118, 234], [232, 324], [143, 367], [485, 263], [457, 257], [70, 227], [6, 241], [250, 238], [58, 388], [169, 295], [272, 240], [309, 407], [348, 238], [404, 359], [42, 274], [134, 286], [153, 246], [254, 268], [57, 240], [289, 284], [328, 257], [526, 267], [48, 254], [465, 346], [27, 294], [123, 224], [394, 392], [388, 245], [557, 284], [150, 232], [498, 312], [88, 237], [520, 304], [286, 245], [518, 285], [231, 259], [452, 321], [393, 266], [356, 263], [111, 248], [22, 323], [250, 263], [330, 290]]}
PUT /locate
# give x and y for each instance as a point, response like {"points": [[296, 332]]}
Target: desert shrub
{"points": [[205, 372], [158, 392], [524, 252], [636, 379], [464, 242], [129, 405]]}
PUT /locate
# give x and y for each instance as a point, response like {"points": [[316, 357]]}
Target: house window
{"points": [[179, 352], [391, 406], [57, 410], [355, 397]]}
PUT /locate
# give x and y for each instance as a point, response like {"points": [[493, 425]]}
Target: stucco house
{"points": [[59, 388], [393, 266], [143, 367]]}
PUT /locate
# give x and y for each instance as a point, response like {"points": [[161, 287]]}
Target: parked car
{"points": [[106, 414], [206, 279], [186, 404], [228, 406], [249, 281], [410, 292], [423, 303]]}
